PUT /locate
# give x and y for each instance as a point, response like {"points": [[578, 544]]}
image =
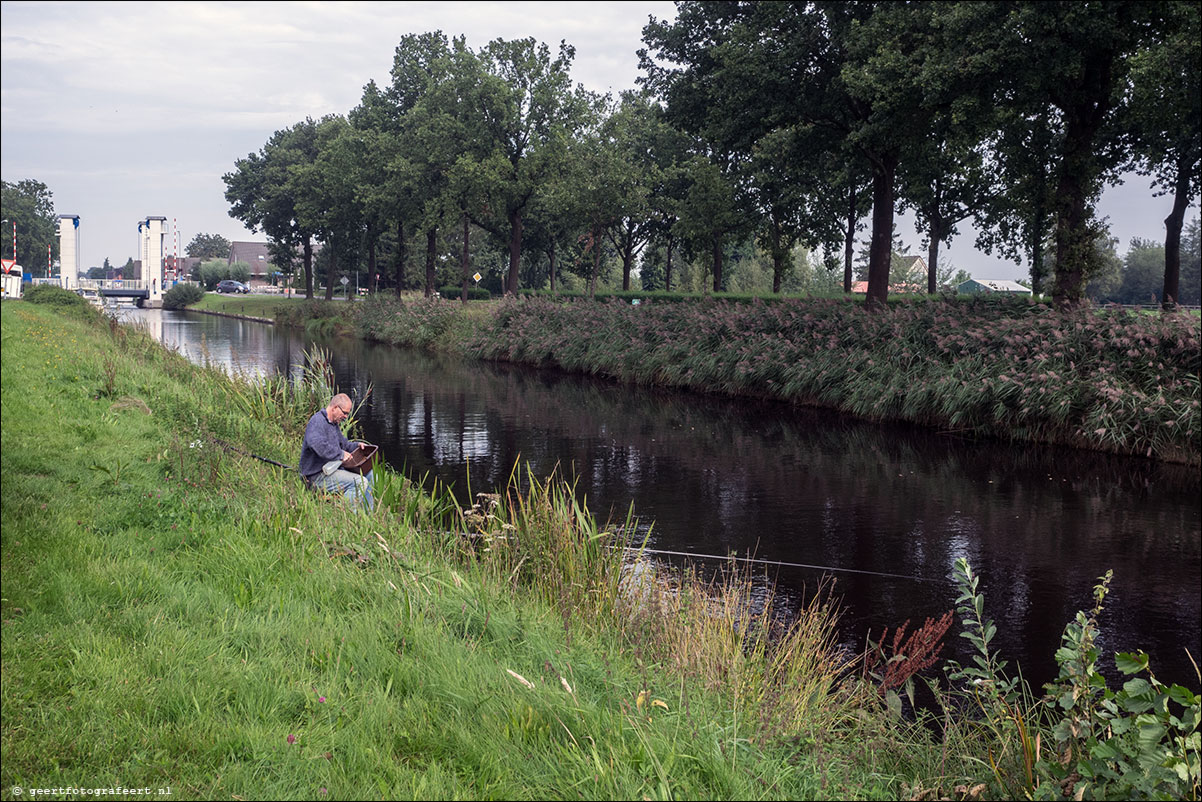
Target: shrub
{"points": [[473, 293], [65, 301], [182, 295], [53, 296], [1083, 739], [215, 270]]}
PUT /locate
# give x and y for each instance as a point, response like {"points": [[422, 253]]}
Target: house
{"points": [[984, 285], [254, 254], [861, 287]]}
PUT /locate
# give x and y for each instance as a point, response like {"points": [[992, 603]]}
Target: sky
{"points": [[129, 110]]}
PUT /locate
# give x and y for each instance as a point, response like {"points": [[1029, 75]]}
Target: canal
{"points": [[883, 509]]}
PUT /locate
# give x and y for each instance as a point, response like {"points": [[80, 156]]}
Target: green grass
{"points": [[177, 615], [250, 305]]}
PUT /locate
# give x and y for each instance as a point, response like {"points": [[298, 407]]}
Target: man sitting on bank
{"points": [[324, 450]]}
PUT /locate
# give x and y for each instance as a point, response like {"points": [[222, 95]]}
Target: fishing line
{"points": [[780, 563], [756, 560]]}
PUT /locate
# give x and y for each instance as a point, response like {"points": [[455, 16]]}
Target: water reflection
{"points": [[718, 476]]}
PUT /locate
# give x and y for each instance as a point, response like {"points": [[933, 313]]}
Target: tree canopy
{"points": [[28, 204], [769, 126], [208, 246]]}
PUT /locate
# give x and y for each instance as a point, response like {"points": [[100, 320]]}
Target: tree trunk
{"points": [[1078, 174], [592, 280], [1172, 238], [465, 261], [849, 239], [668, 267], [431, 252], [627, 257], [717, 250], [933, 255], [778, 258], [307, 261], [1073, 241], [515, 251], [372, 282], [881, 249], [400, 257], [1038, 271], [331, 269]]}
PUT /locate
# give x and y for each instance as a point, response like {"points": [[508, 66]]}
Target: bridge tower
{"points": [[68, 250], [153, 233]]}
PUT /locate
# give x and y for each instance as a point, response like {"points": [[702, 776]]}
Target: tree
{"points": [[850, 78], [635, 131], [263, 192], [1191, 263], [525, 113], [1017, 219], [408, 148], [709, 212], [1061, 68], [1165, 123], [326, 203], [944, 182], [208, 246], [30, 205], [1142, 273]]}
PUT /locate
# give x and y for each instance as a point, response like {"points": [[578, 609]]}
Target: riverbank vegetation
{"points": [[1103, 379], [178, 614]]}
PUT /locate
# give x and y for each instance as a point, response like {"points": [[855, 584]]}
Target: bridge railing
{"points": [[112, 284]]}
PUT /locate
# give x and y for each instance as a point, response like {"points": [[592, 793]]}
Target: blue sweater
{"points": [[324, 441]]}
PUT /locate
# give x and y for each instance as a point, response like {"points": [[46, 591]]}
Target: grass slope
{"points": [[177, 616]]}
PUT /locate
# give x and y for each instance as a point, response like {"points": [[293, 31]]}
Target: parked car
{"points": [[229, 285]]}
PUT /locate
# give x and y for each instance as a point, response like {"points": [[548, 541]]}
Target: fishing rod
{"points": [[237, 450]]}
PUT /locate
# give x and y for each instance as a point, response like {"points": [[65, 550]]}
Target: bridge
{"points": [[134, 289]]}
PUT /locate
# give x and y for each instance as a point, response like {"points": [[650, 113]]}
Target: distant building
{"points": [[981, 285], [254, 254]]}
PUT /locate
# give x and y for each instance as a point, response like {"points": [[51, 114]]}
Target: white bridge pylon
{"points": [[68, 250], [152, 233]]}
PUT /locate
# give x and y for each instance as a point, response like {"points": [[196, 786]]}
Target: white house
{"points": [[979, 285]]}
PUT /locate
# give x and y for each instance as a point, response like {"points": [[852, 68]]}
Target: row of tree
{"points": [[1015, 114], [786, 122]]}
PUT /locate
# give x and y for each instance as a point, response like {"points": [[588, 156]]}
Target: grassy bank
{"points": [[251, 305], [1109, 380], [178, 616]]}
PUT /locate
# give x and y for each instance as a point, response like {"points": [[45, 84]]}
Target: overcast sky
{"points": [[127, 110]]}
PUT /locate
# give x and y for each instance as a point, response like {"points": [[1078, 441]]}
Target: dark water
{"points": [[720, 476]]}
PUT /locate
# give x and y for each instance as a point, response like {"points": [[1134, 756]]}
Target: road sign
{"points": [[477, 277], [345, 281], [9, 264]]}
